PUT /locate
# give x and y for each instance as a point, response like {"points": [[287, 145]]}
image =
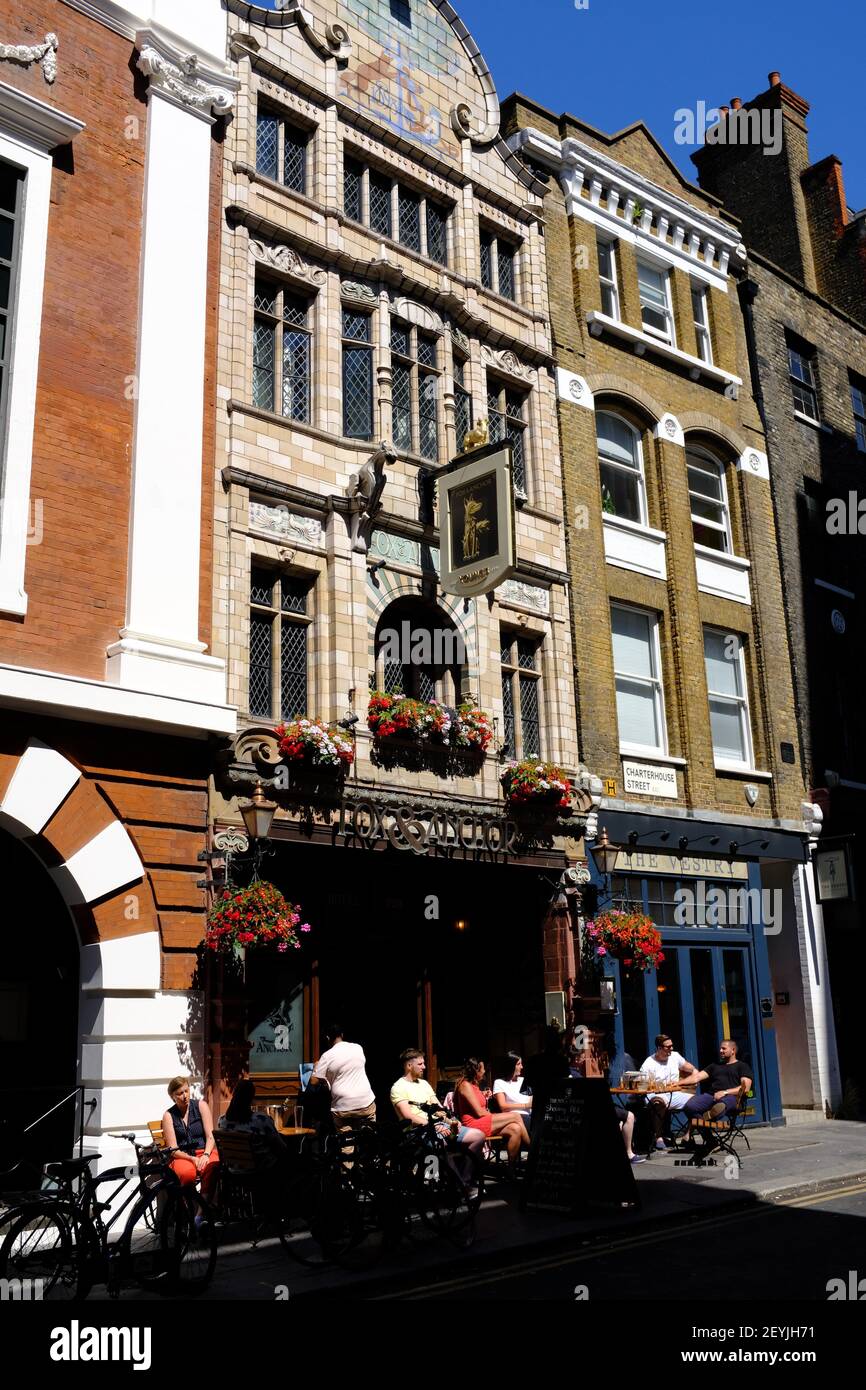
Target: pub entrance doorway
{"points": [[39, 973], [412, 951]]}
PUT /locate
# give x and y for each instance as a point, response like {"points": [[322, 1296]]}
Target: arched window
{"points": [[620, 463], [708, 497], [419, 652]]}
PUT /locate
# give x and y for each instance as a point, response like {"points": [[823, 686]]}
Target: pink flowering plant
{"points": [[428, 721], [474, 727], [315, 744], [255, 916], [629, 936]]}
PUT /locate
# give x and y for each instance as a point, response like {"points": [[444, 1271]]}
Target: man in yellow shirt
{"points": [[412, 1091]]}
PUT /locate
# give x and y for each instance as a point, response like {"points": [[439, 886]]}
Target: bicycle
{"points": [[62, 1238]]}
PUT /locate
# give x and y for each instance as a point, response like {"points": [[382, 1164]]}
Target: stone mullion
{"points": [[382, 374], [681, 295], [629, 295]]}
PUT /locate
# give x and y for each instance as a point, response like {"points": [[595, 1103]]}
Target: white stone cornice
{"points": [[287, 260], [28, 118], [43, 53], [182, 78], [698, 237]]}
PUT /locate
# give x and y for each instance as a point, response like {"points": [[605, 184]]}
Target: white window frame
{"points": [[29, 130], [706, 463], [741, 700], [644, 263], [701, 320], [809, 387], [629, 472], [609, 282], [654, 681]]}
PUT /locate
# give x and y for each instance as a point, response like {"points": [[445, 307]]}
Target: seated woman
{"points": [[266, 1144], [508, 1087], [470, 1105], [187, 1128]]}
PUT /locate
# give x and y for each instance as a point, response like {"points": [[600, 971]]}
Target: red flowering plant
{"points": [[395, 716], [316, 744], [255, 916], [534, 783], [474, 727], [629, 936]]}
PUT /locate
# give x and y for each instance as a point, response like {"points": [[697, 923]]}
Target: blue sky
{"points": [[618, 61]]}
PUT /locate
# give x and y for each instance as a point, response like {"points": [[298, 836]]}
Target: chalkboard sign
{"points": [[577, 1157]]}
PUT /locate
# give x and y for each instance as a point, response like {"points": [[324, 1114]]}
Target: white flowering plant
{"points": [[314, 743]]}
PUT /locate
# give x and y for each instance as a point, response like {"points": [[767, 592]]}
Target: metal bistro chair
{"points": [[722, 1134]]}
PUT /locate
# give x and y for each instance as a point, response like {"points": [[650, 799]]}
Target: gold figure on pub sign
{"points": [[473, 525]]}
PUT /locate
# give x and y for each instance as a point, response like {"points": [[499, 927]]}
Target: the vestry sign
{"points": [[476, 512]]}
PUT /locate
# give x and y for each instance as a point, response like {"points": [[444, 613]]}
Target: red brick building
{"points": [[110, 125]]}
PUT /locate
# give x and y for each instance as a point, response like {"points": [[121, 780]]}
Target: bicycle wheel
{"points": [[449, 1188], [170, 1242], [320, 1220], [38, 1252]]}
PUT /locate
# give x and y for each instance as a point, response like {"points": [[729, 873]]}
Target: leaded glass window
{"points": [[520, 657], [281, 351], [380, 204], [462, 402], [437, 233], [506, 414], [409, 214], [498, 263], [357, 376], [281, 150], [414, 391], [353, 179], [279, 640]]}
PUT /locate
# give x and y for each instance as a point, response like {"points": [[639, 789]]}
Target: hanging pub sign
{"points": [[476, 515], [831, 874]]}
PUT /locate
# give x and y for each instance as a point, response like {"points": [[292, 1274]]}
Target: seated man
{"points": [[667, 1067], [725, 1078], [412, 1091]]}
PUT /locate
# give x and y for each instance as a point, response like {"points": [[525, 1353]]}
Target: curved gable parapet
{"points": [[410, 65]]}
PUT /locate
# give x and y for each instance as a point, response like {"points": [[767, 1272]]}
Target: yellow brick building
{"points": [[683, 675]]}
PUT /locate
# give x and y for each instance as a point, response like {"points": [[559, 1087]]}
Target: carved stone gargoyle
{"points": [[365, 493]]}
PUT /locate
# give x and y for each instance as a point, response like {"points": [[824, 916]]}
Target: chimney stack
{"points": [[774, 79], [736, 103]]}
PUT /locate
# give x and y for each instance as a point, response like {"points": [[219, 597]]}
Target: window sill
{"points": [[600, 323], [734, 562], [742, 770], [637, 528], [808, 420], [650, 755]]}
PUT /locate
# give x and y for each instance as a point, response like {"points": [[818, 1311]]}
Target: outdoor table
{"points": [[654, 1091], [292, 1131]]}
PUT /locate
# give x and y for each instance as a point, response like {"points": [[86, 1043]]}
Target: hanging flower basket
{"points": [[311, 743], [534, 784], [259, 915], [428, 721], [628, 936]]}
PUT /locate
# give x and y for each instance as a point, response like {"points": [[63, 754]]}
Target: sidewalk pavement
{"points": [[811, 1156]]}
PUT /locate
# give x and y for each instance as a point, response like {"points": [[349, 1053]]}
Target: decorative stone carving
{"points": [[287, 260], [419, 314], [181, 82], [279, 521], [460, 340], [751, 792], [43, 53], [756, 463], [259, 745], [670, 428], [336, 43], [465, 126], [529, 595], [357, 289], [365, 492], [572, 387], [477, 437], [506, 361]]}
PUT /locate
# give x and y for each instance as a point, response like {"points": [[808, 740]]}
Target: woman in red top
{"points": [[470, 1106]]}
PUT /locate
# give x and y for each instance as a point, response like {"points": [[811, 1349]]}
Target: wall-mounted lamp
{"points": [[683, 843], [258, 814], [604, 854]]}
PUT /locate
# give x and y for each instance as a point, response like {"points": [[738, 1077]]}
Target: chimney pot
{"points": [[736, 103], [774, 79], [724, 110]]}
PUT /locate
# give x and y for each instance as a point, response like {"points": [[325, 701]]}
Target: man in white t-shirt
{"points": [[667, 1067], [343, 1068]]}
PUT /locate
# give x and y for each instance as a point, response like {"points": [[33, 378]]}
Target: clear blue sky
{"points": [[624, 60]]}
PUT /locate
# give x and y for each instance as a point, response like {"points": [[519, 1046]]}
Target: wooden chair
{"points": [[721, 1134], [156, 1134]]}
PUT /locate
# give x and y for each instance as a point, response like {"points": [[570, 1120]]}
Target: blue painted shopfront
{"points": [[714, 982]]}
